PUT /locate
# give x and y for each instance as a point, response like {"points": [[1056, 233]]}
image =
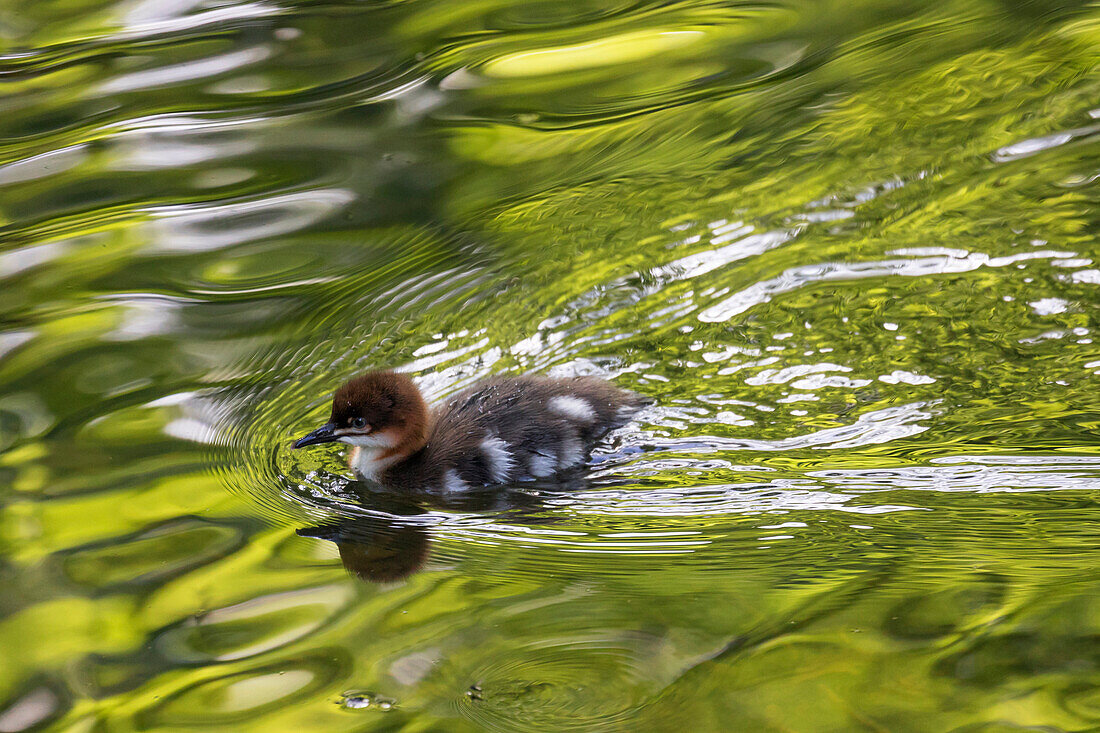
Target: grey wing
{"points": [[565, 419], [527, 427]]}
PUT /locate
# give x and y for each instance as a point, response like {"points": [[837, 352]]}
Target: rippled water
{"points": [[848, 248]]}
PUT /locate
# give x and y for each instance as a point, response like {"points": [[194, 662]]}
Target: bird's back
{"points": [[517, 428]]}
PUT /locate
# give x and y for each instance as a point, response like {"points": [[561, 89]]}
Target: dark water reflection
{"points": [[848, 248]]}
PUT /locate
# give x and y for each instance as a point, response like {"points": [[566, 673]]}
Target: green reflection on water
{"points": [[848, 248]]}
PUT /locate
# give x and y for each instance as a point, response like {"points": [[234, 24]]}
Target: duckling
{"points": [[500, 430]]}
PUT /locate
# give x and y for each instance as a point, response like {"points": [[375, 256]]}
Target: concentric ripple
{"points": [[561, 684]]}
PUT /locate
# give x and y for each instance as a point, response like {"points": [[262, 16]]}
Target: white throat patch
{"points": [[367, 462], [366, 455]]}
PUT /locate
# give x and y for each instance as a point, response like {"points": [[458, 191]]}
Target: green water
{"points": [[848, 248]]}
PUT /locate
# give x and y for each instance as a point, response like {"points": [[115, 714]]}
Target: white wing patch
{"points": [[542, 466], [572, 452], [453, 482], [573, 408], [500, 458]]}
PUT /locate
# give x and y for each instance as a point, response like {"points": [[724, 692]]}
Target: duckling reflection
{"points": [[376, 550], [386, 549]]}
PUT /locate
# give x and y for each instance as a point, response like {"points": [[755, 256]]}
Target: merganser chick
{"points": [[499, 430]]}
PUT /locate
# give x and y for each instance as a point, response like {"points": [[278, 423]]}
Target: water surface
{"points": [[848, 248]]}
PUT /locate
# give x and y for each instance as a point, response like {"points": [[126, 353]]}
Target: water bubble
{"points": [[366, 701]]}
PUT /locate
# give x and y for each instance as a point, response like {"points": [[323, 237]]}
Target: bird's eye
{"points": [[359, 422]]}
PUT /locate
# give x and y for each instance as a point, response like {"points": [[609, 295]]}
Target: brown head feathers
{"points": [[382, 401]]}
